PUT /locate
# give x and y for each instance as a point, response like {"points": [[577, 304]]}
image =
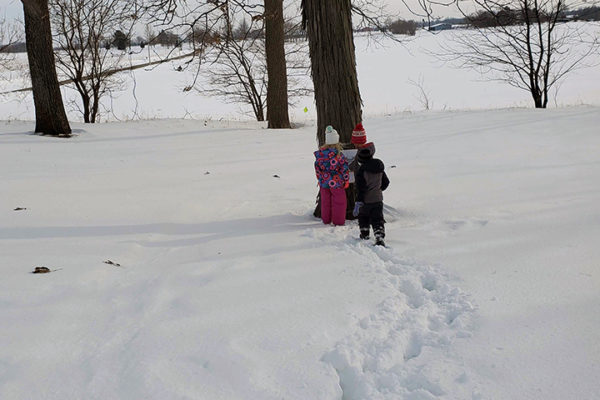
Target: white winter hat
{"points": [[331, 135]]}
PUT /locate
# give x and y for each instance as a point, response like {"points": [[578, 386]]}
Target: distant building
{"points": [[19, 47], [440, 27], [165, 38], [567, 18], [366, 29]]}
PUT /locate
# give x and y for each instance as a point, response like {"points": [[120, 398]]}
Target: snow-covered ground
{"points": [[228, 288]]}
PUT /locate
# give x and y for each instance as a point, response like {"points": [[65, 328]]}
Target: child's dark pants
{"points": [[371, 214]]}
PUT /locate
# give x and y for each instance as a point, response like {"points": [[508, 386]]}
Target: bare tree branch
{"points": [[84, 30], [521, 43], [9, 35], [238, 70]]}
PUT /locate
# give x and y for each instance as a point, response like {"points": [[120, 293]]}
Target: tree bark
{"points": [[50, 115], [328, 25], [277, 89]]}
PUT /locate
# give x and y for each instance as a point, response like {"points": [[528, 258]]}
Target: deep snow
{"points": [[230, 289]]}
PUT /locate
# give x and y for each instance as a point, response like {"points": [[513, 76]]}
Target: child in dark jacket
{"points": [[371, 181]]}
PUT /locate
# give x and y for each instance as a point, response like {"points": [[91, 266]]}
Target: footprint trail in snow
{"points": [[404, 349]]}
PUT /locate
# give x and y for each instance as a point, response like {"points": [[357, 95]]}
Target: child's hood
{"points": [[324, 153], [366, 152]]}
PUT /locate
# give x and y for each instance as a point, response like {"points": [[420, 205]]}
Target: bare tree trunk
{"points": [[259, 112], [277, 89], [95, 105], [537, 99], [331, 42], [50, 115], [85, 99]]}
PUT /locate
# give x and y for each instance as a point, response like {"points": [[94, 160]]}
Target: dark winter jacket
{"points": [[371, 179]]}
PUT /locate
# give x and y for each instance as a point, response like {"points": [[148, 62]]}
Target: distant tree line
{"points": [[403, 27], [293, 31], [517, 16], [505, 16], [584, 14]]}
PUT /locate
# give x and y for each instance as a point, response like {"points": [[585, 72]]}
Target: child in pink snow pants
{"points": [[331, 168]]}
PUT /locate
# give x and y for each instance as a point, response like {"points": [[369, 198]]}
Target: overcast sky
{"points": [[13, 9]]}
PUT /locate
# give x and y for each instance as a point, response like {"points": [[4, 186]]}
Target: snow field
{"points": [[388, 73], [508, 201], [227, 289]]}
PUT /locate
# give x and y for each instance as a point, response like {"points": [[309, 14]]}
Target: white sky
{"points": [[13, 9]]}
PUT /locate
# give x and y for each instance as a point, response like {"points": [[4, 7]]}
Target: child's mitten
{"points": [[357, 207]]}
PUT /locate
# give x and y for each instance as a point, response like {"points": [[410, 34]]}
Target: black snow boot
{"points": [[379, 235]]}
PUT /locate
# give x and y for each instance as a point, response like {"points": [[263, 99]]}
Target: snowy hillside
{"points": [[228, 288], [389, 74]]}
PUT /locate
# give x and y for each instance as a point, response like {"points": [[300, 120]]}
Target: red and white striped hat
{"points": [[359, 136]]}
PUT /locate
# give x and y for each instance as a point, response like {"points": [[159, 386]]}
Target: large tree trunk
{"points": [[50, 115], [331, 42], [277, 94], [328, 25], [537, 97]]}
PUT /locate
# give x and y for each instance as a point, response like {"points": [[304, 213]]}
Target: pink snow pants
{"points": [[333, 206]]}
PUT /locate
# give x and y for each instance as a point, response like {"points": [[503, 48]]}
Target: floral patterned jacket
{"points": [[331, 169]]}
